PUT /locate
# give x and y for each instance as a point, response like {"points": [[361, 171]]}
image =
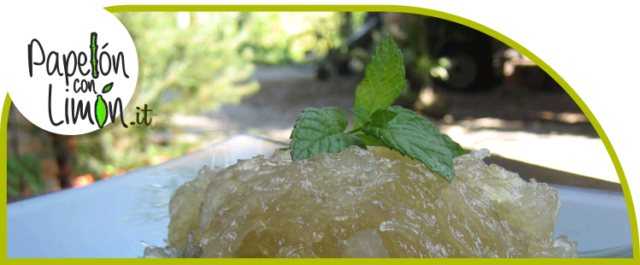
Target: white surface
{"points": [[596, 219], [111, 217]]}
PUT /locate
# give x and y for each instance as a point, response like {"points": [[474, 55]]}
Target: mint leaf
{"points": [[413, 135], [337, 115], [384, 79], [431, 129], [383, 116], [362, 114], [321, 131], [369, 140], [455, 148]]}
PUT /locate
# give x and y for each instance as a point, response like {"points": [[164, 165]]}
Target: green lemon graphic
{"points": [[101, 111], [101, 106]]}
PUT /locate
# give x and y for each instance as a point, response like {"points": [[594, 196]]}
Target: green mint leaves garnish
{"points": [[377, 123]]}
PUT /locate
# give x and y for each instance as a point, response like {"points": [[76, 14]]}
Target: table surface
{"points": [[110, 218]]}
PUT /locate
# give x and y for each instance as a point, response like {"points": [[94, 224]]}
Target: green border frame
{"points": [[367, 8]]}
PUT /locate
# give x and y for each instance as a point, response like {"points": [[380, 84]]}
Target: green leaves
{"points": [[321, 131], [384, 79], [23, 173], [377, 123]]}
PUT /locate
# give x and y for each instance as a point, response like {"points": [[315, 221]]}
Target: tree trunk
{"points": [[347, 25], [65, 150]]}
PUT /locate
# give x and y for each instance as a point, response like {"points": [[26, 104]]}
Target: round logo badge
{"points": [[70, 67]]}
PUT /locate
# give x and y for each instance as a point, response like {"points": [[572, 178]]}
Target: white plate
{"points": [[109, 218]]}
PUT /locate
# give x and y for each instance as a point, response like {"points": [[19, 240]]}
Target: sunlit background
{"points": [[208, 76]]}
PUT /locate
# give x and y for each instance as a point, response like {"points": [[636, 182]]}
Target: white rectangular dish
{"points": [[109, 218]]}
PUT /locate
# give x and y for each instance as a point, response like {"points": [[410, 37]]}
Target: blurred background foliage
{"points": [[286, 37], [23, 176]]}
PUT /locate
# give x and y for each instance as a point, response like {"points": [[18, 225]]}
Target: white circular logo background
{"points": [[46, 99]]}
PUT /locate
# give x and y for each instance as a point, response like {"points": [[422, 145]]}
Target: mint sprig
{"points": [[377, 123]]}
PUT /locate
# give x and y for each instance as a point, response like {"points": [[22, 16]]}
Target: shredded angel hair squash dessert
{"points": [[362, 204]]}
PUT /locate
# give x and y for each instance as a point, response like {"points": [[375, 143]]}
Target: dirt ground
{"points": [[286, 91]]}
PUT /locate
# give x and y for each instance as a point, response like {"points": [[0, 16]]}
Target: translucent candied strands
{"points": [[364, 203]]}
